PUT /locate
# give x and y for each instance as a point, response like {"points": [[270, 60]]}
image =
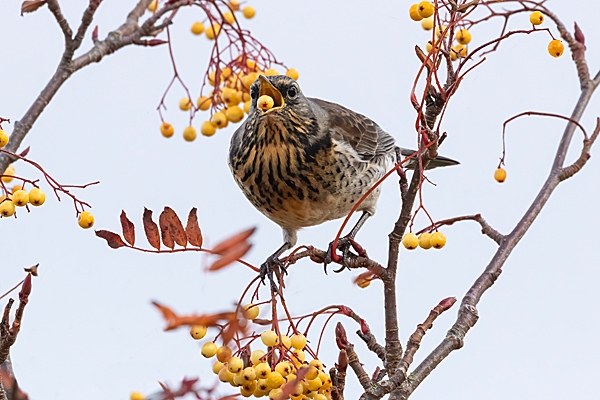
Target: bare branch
{"points": [[486, 229], [572, 169], [62, 22]]}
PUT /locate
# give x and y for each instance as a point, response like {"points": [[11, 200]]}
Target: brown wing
{"points": [[364, 135]]}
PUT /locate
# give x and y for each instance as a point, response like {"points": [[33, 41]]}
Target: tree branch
{"points": [[486, 229], [62, 22], [572, 169]]}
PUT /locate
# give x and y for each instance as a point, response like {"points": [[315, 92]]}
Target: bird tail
{"points": [[439, 161]]}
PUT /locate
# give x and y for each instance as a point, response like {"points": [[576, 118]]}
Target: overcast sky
{"points": [[89, 330]]}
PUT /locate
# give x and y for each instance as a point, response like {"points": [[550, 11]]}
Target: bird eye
{"points": [[292, 92]]}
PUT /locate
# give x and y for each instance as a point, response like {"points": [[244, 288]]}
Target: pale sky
{"points": [[89, 330]]}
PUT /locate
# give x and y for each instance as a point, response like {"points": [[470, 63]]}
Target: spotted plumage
{"points": [[306, 161]]}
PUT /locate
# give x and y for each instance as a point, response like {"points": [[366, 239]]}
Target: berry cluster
{"points": [[230, 100], [425, 240], [259, 373]]}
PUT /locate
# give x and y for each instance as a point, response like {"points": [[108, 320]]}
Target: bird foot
{"points": [[344, 244], [273, 266]]}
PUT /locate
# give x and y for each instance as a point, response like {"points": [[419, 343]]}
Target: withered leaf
{"points": [[128, 228], [230, 256], [233, 241], [192, 229], [165, 231], [31, 5], [112, 239], [175, 226], [151, 229]]}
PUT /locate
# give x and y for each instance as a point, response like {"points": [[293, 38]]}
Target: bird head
{"points": [[288, 99]]}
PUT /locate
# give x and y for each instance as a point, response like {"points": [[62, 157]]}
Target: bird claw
{"points": [[268, 268], [343, 244]]}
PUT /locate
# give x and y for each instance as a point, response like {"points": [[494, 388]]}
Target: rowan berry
{"points": [[20, 198], [262, 370], [234, 4], [197, 28], [425, 240], [425, 9], [7, 208], [234, 114], [293, 73], [249, 12], [251, 311], [220, 119], [265, 102], [413, 11], [209, 349], [167, 129], [217, 366], [256, 357], [185, 104], [152, 7], [463, 36], [208, 128], [275, 394], [203, 103], [225, 375], [86, 220], [189, 134], [500, 175], [410, 241], [438, 240], [8, 174], [137, 395], [235, 364], [37, 197], [556, 48], [249, 374], [269, 338], [228, 16], [213, 31], [3, 138], [536, 18], [198, 332], [427, 23], [223, 353]]}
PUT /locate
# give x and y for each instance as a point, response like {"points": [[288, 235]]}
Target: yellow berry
{"points": [[363, 283], [197, 28], [265, 102], [317, 364], [223, 353], [311, 373], [413, 11], [234, 114], [536, 18], [3, 138], [283, 368], [458, 50], [152, 7], [209, 349], [269, 338], [438, 240], [7, 208], [228, 16], [167, 129], [86, 220], [429, 46], [234, 4], [251, 311], [198, 332], [463, 36], [249, 79], [275, 394], [225, 73], [256, 356], [410, 241], [8, 174], [271, 72], [211, 79], [203, 103], [247, 105], [249, 12], [298, 341], [238, 379], [500, 175], [286, 341], [217, 367], [251, 63], [556, 48], [313, 384], [247, 392], [235, 365], [262, 370], [15, 188], [189, 134], [275, 380], [425, 240], [319, 396], [185, 104], [37, 197], [213, 31], [208, 128], [427, 23], [439, 30], [425, 9], [225, 375], [293, 73], [20, 198], [137, 395], [220, 119], [298, 357], [249, 374]]}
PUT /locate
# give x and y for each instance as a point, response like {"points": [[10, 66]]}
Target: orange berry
{"points": [[167, 129], [500, 175], [249, 12], [293, 73], [197, 28]]}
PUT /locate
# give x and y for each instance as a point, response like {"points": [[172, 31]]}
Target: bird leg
{"points": [[267, 268], [344, 244]]}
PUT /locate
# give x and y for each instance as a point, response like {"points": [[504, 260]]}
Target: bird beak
{"points": [[266, 88]]}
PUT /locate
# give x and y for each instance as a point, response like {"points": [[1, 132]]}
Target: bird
{"points": [[305, 161]]}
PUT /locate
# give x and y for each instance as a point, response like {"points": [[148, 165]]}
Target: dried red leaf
{"points": [[112, 239], [232, 255], [151, 229], [32, 270], [233, 241], [31, 5], [128, 228], [170, 218], [192, 229]]}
